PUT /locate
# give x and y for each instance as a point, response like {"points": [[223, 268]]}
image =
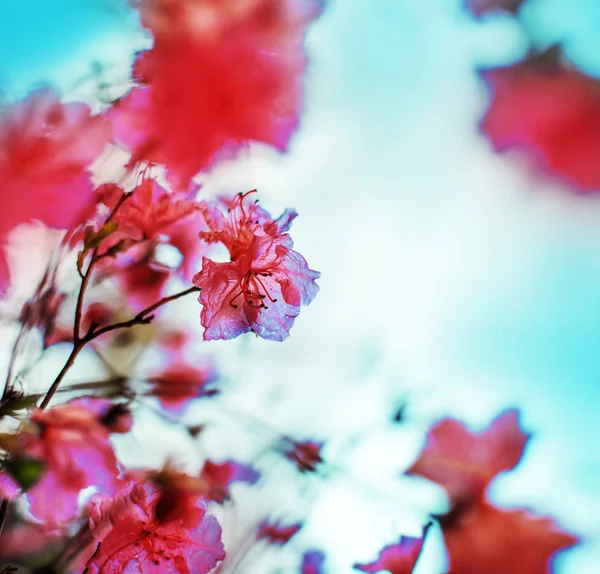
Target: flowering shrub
{"points": [[218, 76]]}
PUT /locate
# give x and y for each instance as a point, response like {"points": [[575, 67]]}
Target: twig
{"points": [[76, 350], [88, 274], [142, 318], [24, 329], [3, 513], [78, 342]]}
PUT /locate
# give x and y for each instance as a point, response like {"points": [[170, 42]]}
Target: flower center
{"points": [[253, 290]]}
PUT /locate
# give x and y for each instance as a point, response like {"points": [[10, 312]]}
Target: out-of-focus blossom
{"points": [[313, 562], [46, 148], [219, 476], [148, 220], [464, 462], [143, 281], [72, 443], [480, 8], [399, 558], [305, 455], [9, 488], [183, 236], [275, 533], [132, 538], [496, 541], [550, 110], [148, 212], [179, 383], [261, 291], [43, 312], [116, 417], [27, 541], [220, 74]]}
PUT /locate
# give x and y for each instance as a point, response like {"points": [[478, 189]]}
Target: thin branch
{"points": [[3, 513], [142, 318], [88, 275], [76, 350], [25, 327], [79, 342]]}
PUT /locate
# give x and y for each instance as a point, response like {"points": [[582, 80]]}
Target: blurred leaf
{"points": [[26, 471]]}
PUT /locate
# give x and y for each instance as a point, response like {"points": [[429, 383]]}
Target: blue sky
{"points": [[478, 280]]}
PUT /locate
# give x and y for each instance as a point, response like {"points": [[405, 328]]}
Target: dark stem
{"points": [[78, 342], [142, 318], [3, 513], [13, 358], [88, 275], [80, 297], [24, 329], [76, 350]]}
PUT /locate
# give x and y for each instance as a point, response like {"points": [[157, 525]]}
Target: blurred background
{"points": [[455, 281]]}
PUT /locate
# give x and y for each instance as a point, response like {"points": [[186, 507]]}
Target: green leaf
{"points": [[120, 247], [80, 259], [26, 471], [19, 403], [92, 239]]}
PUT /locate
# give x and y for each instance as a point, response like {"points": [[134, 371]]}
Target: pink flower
{"points": [[72, 442], [148, 219], [220, 74], [149, 211], [46, 148], [464, 462], [551, 111], [235, 224], [179, 383], [132, 539], [399, 558], [261, 291]]}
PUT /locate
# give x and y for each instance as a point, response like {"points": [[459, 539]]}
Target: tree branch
{"points": [[142, 318]]}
